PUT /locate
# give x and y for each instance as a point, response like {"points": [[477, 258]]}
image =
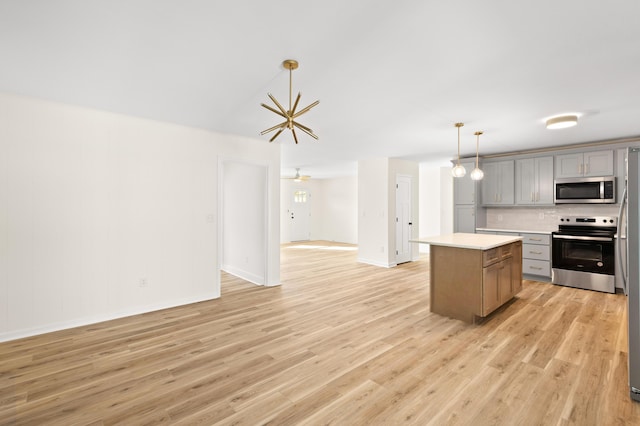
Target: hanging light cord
{"points": [[477, 147], [458, 125], [290, 86]]}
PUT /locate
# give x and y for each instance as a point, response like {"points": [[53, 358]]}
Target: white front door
{"points": [[299, 215], [403, 218]]}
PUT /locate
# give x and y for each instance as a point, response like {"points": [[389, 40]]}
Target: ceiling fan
{"points": [[298, 177]]}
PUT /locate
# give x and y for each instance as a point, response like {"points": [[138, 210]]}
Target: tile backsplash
{"points": [[542, 218]]}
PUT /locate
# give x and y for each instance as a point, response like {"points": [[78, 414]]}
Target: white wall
{"points": [[377, 206], [104, 215], [334, 208], [339, 209], [446, 200], [429, 202], [373, 211], [436, 201], [244, 230]]}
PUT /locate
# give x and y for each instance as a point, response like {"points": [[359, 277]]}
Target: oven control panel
{"points": [[609, 221]]}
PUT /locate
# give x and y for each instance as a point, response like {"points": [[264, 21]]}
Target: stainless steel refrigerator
{"points": [[630, 215]]}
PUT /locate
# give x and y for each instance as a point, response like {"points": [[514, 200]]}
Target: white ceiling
{"points": [[392, 77]]}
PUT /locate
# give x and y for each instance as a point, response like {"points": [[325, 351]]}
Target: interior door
{"points": [[299, 215], [403, 218]]}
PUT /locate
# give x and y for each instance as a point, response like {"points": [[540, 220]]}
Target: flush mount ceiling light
{"points": [[458, 170], [562, 121], [289, 115], [477, 174]]}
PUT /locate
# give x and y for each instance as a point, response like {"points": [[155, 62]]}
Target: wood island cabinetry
{"points": [[472, 275]]}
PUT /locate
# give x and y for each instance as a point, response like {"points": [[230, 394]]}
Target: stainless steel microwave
{"points": [[585, 190]]}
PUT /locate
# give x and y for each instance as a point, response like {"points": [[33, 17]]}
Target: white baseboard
{"points": [[79, 322], [245, 275], [376, 263]]}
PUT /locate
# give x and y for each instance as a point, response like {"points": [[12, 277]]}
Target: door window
{"points": [[300, 197]]}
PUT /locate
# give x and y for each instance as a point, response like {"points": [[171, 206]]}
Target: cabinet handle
{"points": [[580, 169], [586, 169], [535, 239], [535, 267], [537, 196], [533, 198], [535, 252]]}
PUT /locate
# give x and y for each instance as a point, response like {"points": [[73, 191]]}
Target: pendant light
{"points": [[477, 174], [459, 170]]}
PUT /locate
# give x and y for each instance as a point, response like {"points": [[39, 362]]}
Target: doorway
{"points": [[244, 232], [299, 214], [403, 218]]}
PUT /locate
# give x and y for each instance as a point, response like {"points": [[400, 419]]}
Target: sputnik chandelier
{"points": [[289, 115]]}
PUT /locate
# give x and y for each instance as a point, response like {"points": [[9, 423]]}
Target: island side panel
{"points": [[455, 280], [517, 267]]}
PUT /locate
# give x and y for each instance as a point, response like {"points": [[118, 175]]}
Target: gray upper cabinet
{"points": [[464, 196], [534, 181], [464, 188], [498, 183], [594, 163]]}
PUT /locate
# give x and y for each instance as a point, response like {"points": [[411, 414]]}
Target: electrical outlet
{"points": [[499, 218], [142, 282]]}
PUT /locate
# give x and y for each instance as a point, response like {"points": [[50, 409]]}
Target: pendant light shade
{"points": [[459, 170], [477, 174]]}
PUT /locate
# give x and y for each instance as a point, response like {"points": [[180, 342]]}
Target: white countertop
{"points": [[469, 241], [514, 231]]}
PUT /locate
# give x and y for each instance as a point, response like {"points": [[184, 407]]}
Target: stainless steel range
{"points": [[583, 253]]}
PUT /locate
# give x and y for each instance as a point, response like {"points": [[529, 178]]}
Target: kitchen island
{"points": [[472, 275]]}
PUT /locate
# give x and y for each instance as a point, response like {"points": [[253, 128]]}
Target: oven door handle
{"points": [[575, 237]]}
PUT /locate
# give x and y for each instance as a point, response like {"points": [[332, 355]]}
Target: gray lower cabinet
{"points": [[464, 219], [536, 255]]}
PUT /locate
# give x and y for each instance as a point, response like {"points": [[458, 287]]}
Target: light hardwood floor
{"points": [[338, 343]]}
